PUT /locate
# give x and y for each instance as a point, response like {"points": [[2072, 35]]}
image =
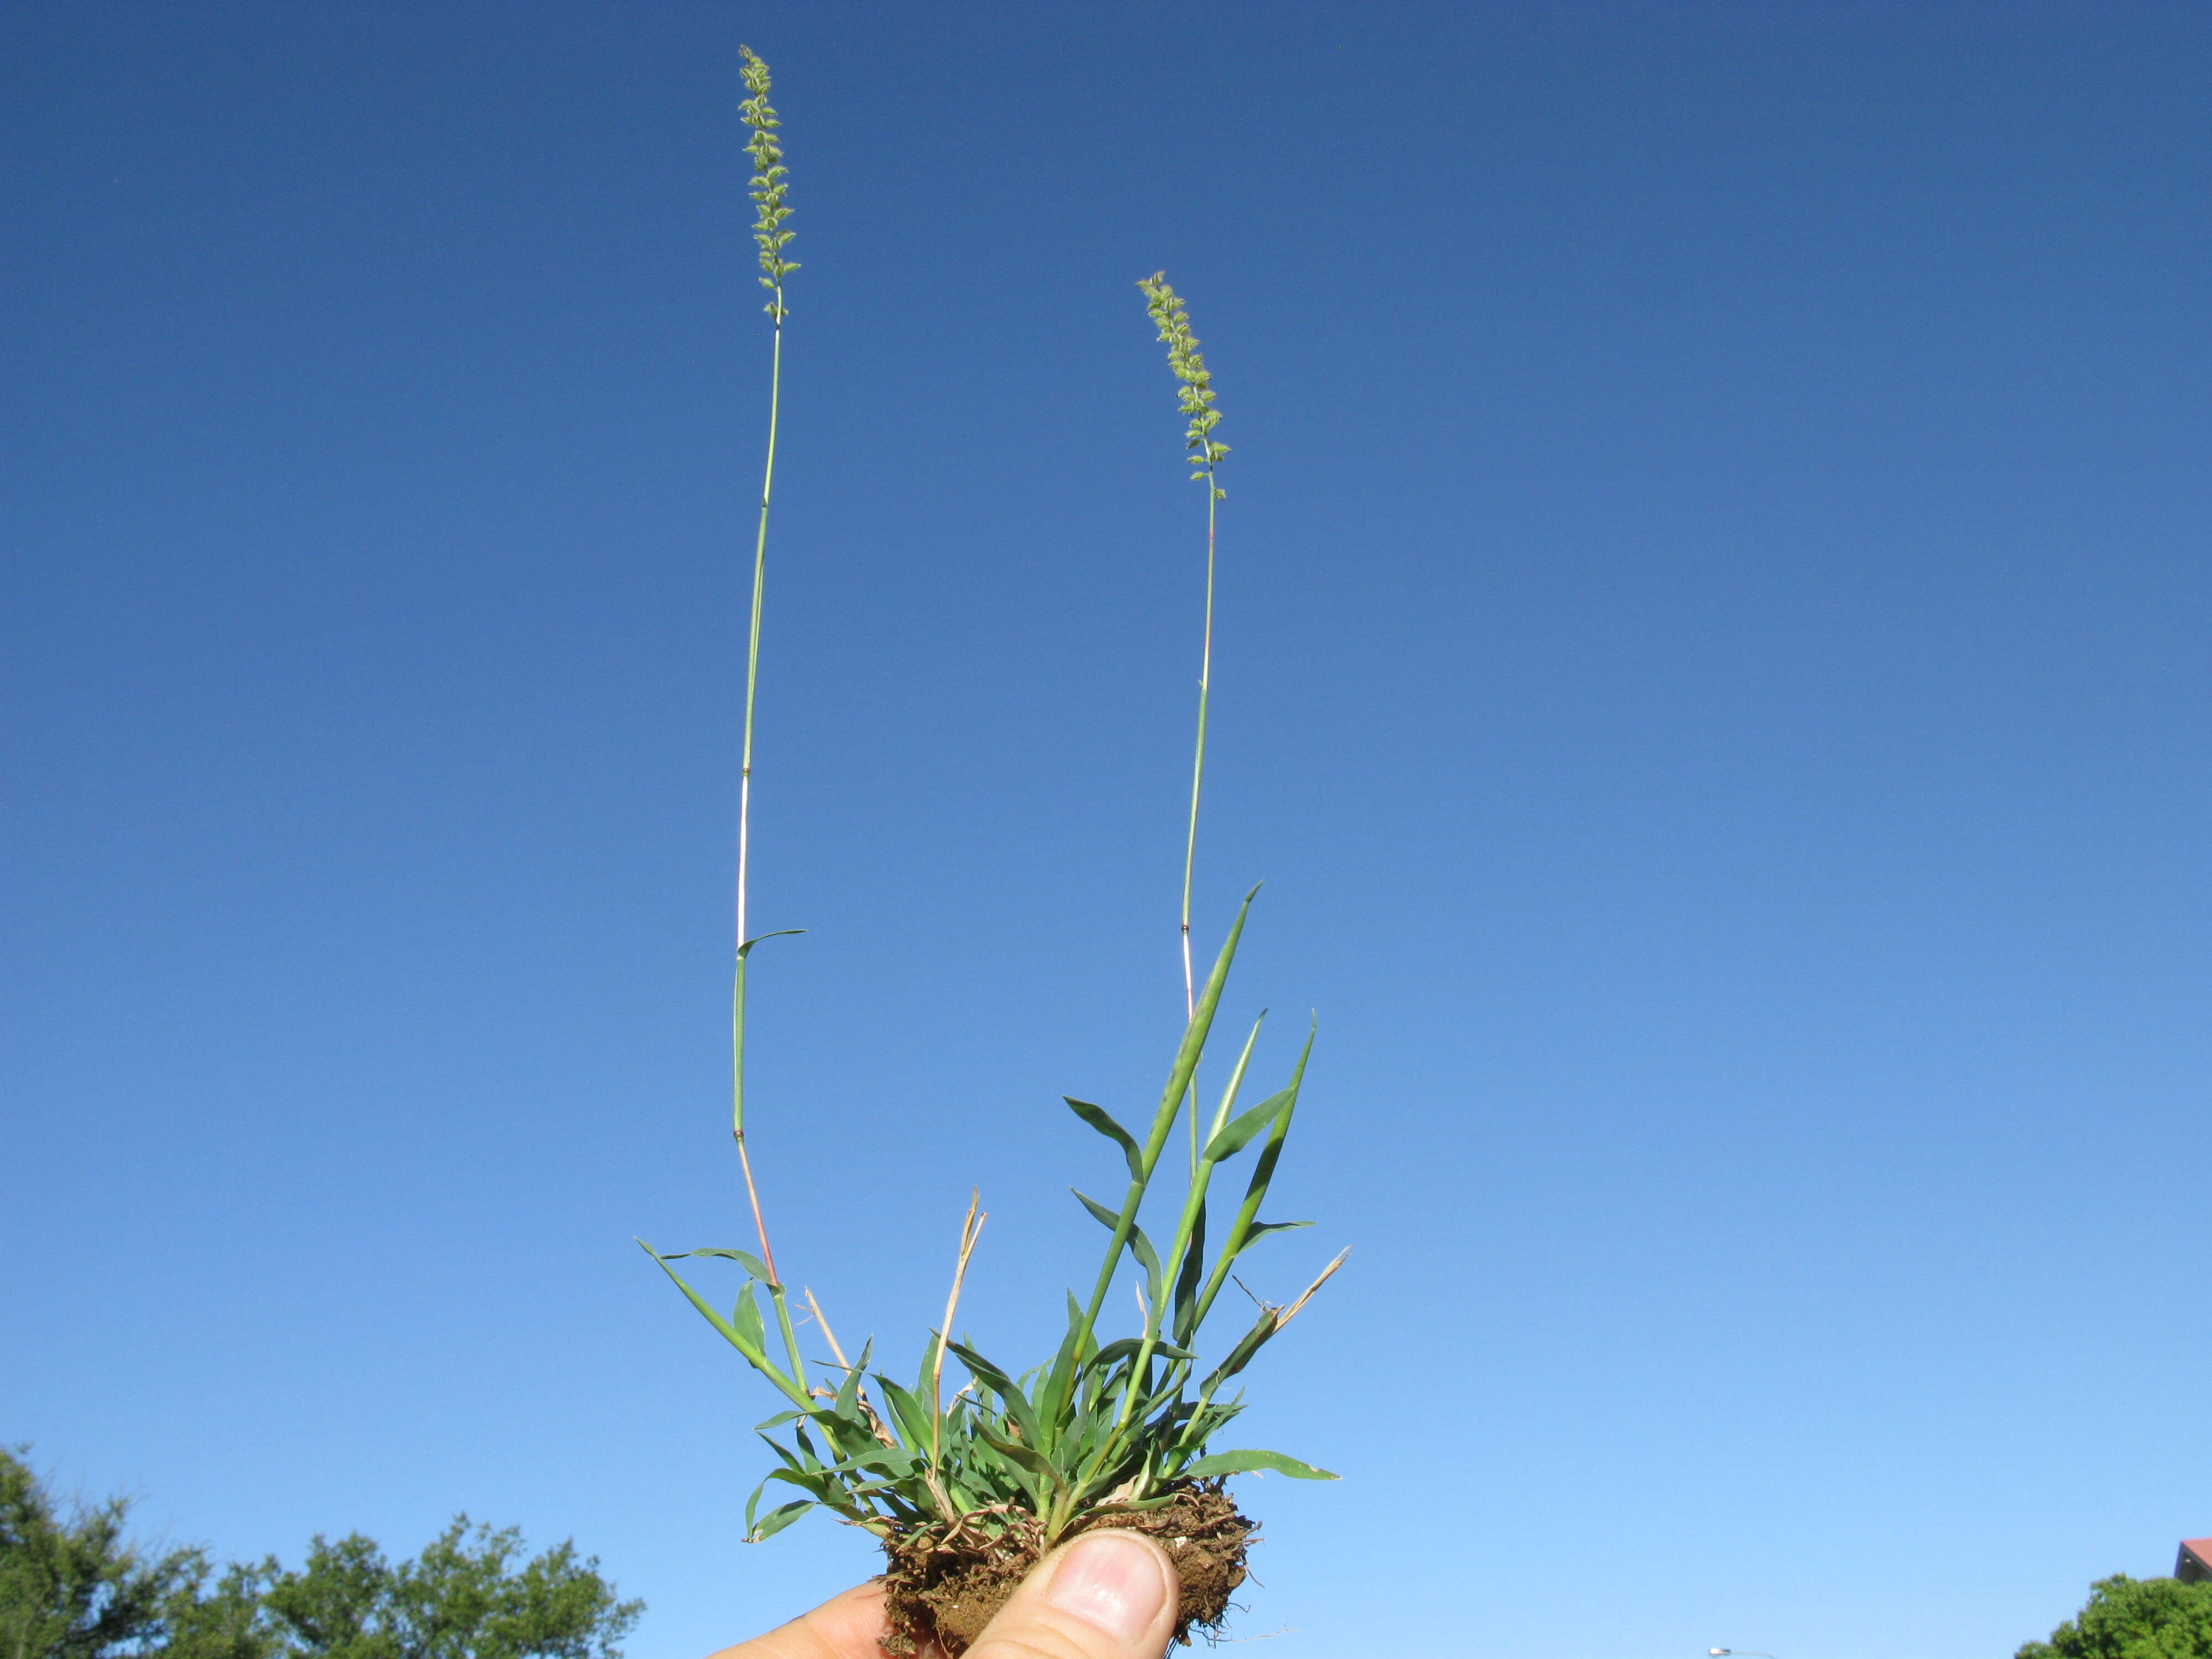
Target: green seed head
{"points": [[1196, 397], [769, 185]]}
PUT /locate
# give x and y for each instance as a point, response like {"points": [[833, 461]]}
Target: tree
{"points": [[74, 1587], [458, 1600], [2135, 1618]]}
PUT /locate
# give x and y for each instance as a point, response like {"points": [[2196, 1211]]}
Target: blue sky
{"points": [[1712, 670]]}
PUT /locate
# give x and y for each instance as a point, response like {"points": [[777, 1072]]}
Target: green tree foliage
{"points": [[2135, 1618], [460, 1599], [73, 1586]]}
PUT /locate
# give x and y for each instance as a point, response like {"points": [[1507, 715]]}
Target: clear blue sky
{"points": [[1713, 669]]}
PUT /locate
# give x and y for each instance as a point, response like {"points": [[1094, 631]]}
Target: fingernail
{"points": [[1112, 1581]]}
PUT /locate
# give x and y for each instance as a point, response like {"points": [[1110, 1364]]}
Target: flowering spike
{"points": [[1195, 399], [768, 185]]}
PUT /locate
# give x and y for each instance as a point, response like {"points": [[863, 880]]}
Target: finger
{"points": [[848, 1627], [1109, 1594]]}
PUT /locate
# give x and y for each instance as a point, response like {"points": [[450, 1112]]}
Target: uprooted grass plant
{"points": [[965, 1492]]}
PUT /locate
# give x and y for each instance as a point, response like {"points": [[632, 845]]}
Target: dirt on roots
{"points": [[946, 1592]]}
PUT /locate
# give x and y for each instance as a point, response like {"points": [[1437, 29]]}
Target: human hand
{"points": [[1109, 1594]]}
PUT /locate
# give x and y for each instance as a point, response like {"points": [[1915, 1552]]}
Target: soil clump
{"points": [[946, 1591]]}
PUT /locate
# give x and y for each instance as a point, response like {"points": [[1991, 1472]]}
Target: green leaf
{"points": [[755, 1356], [848, 1393], [1194, 1033], [1098, 1119], [1255, 1191], [1236, 1084], [1148, 1259], [1140, 1246], [745, 1259], [1243, 1462], [1260, 1230], [746, 949], [1001, 1385], [1188, 1276], [929, 1357], [1034, 1463], [1104, 1216], [913, 1420], [847, 1432], [789, 1456], [776, 1521], [1126, 1347], [1144, 1506], [1060, 1376], [1241, 1129], [1240, 1356], [746, 1316]]}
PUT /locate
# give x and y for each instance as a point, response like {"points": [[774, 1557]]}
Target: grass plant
{"points": [[1116, 1425], [1104, 1427]]}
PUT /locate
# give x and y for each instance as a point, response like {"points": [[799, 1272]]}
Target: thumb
{"points": [[1109, 1594]]}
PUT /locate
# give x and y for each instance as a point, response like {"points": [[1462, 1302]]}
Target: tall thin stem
{"points": [[1197, 782], [767, 191], [745, 803], [745, 860]]}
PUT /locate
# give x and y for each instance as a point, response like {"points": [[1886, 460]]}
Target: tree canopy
{"points": [[2134, 1619], [73, 1585]]}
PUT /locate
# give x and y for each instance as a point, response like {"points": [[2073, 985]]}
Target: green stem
{"points": [[744, 852], [752, 689], [1197, 780]]}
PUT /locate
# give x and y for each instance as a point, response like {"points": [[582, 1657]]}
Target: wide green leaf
{"points": [[1245, 1462], [1126, 1347], [776, 1519], [746, 1316], [1241, 1129], [1148, 1258], [1105, 1217], [1025, 1457], [746, 949], [1255, 1191], [848, 1393], [1060, 1376], [755, 1356], [753, 1503], [1140, 1246], [1100, 1119], [913, 1416], [1240, 1356], [1188, 1277], [1001, 1385], [1143, 1507], [1236, 1084], [745, 1259], [1194, 1040]]}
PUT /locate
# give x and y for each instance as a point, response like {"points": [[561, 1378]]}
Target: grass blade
{"points": [[1100, 1119], [1245, 1462]]}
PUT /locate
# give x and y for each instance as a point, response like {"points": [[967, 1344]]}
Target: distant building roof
{"points": [[2195, 1561]]}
